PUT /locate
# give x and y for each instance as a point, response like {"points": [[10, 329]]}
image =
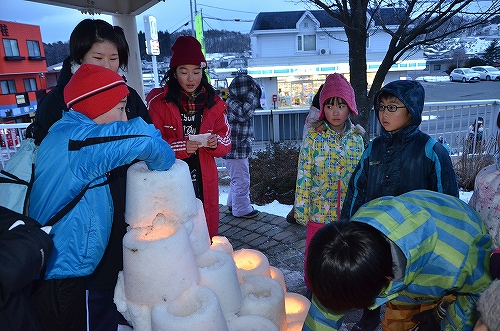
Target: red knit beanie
{"points": [[94, 90], [336, 85], [187, 50]]}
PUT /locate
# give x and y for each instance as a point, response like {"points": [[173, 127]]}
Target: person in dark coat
{"points": [[24, 250], [97, 42], [400, 160]]}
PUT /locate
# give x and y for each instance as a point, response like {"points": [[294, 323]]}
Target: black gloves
{"points": [[430, 320]]}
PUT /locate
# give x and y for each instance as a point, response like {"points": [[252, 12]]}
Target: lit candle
{"points": [[296, 307], [250, 262], [150, 193], [158, 264]]}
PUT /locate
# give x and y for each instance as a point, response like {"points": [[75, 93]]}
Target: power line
{"points": [[239, 11], [227, 19]]}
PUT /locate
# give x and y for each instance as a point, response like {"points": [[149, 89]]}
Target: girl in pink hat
{"points": [[330, 152]]}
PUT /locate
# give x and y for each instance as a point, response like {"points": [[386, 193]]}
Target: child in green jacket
{"points": [[425, 252]]}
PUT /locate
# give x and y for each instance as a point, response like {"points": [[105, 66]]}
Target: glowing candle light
{"points": [[296, 307], [158, 264], [250, 262]]}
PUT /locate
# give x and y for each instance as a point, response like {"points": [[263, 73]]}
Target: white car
{"points": [[487, 72], [464, 75]]}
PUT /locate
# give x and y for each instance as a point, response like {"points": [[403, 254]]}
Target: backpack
{"points": [[17, 178], [16, 181]]}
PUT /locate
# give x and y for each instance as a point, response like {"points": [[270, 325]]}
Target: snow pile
{"points": [[174, 278]]}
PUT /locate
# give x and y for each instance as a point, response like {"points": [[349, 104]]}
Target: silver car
{"points": [[487, 72], [464, 75]]}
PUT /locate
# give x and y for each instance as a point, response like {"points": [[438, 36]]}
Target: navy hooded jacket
{"points": [[399, 162]]}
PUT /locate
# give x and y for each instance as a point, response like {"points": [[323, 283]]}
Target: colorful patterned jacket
{"points": [[326, 162], [446, 248]]}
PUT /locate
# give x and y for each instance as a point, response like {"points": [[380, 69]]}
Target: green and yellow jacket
{"points": [[440, 246]]}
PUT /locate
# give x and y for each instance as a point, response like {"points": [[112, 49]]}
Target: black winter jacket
{"points": [[396, 163]]}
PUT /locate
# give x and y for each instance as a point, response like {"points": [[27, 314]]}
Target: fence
{"points": [[450, 120], [11, 136]]}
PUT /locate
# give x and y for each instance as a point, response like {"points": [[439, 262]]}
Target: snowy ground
{"points": [[279, 209]]}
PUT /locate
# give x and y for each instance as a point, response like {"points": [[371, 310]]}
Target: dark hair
{"points": [[174, 88], [498, 120], [348, 265], [89, 31], [315, 101], [386, 96]]}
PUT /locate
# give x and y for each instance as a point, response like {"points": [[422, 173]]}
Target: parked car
{"points": [[487, 72], [464, 75]]}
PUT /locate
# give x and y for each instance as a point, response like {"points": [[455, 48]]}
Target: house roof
{"points": [[288, 19], [388, 16]]}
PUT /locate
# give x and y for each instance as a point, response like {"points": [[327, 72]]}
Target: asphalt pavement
{"points": [[458, 91]]}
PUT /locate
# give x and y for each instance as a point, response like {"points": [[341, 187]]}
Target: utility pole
{"points": [[193, 14]]}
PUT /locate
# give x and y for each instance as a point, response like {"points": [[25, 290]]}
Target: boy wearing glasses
{"points": [[400, 160]]}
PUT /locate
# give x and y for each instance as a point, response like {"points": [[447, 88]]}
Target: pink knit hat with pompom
{"points": [[336, 85]]}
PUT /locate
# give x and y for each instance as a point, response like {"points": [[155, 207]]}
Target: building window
{"points": [[10, 47], [306, 43], [30, 84], [437, 67], [33, 48], [8, 86]]}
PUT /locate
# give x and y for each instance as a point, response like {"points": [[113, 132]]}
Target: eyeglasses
{"points": [[389, 108]]}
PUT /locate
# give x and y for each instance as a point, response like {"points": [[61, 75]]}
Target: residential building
{"points": [[23, 71], [294, 51]]}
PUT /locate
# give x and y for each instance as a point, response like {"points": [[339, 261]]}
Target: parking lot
{"points": [[458, 91]]}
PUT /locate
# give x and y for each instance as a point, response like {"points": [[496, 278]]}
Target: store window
{"points": [[30, 84], [306, 43], [298, 91], [8, 86], [33, 48], [10, 47]]}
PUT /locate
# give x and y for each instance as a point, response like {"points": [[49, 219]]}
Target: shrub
{"points": [[273, 173], [470, 161]]}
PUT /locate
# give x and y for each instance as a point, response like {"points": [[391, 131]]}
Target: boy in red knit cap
{"points": [[91, 139]]}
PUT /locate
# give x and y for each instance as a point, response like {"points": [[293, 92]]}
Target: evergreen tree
{"points": [[492, 53]]}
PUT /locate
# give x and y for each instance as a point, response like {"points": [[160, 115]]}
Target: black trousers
{"points": [[16, 313], [60, 304]]}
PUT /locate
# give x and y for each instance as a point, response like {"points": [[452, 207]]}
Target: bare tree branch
{"points": [[413, 25]]}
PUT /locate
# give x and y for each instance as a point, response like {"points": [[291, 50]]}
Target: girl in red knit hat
{"points": [[330, 152], [192, 119]]}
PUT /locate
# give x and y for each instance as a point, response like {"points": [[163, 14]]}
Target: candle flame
{"points": [[247, 260]]}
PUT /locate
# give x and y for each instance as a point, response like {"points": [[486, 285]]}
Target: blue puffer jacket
{"points": [[68, 159], [396, 163]]}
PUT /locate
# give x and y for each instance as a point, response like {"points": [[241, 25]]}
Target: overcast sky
{"points": [[57, 23]]}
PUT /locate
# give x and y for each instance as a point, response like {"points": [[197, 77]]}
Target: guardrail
{"points": [[450, 120], [11, 136]]}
